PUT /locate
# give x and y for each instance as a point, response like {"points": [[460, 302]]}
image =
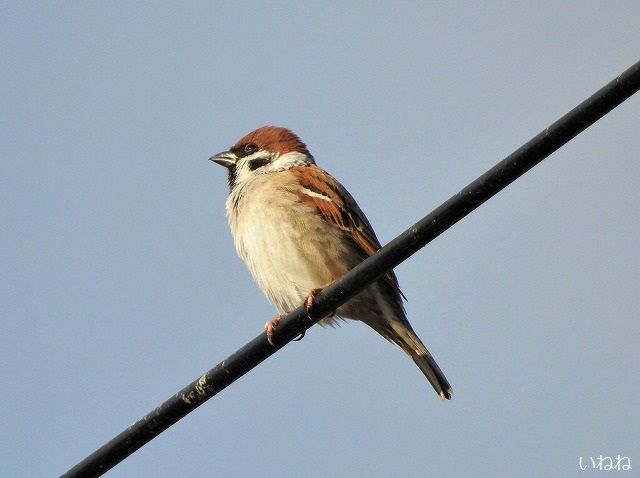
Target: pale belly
{"points": [[288, 248]]}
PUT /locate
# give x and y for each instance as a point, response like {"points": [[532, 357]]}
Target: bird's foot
{"points": [[271, 325], [309, 301], [270, 328]]}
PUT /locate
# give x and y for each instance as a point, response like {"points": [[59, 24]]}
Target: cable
{"points": [[403, 246]]}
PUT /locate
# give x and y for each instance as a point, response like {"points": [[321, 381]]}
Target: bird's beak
{"points": [[226, 159]]}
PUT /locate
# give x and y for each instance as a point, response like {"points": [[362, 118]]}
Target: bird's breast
{"points": [[288, 247]]}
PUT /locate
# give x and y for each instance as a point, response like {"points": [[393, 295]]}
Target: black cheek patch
{"points": [[258, 163]]}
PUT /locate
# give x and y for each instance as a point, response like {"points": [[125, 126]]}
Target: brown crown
{"points": [[274, 138]]}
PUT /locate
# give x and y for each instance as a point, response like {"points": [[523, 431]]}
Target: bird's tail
{"points": [[406, 338], [436, 378]]}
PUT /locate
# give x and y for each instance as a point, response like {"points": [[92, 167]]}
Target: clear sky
{"points": [[120, 283]]}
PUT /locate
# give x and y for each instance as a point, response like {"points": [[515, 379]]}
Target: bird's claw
{"points": [[270, 328], [308, 302]]}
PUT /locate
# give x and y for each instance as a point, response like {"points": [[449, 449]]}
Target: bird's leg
{"points": [[308, 304], [270, 327], [311, 297]]}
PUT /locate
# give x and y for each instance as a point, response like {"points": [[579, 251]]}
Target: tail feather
{"points": [[406, 338], [436, 378], [385, 314]]}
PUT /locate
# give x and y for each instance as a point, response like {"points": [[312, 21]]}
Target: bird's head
{"points": [[265, 150]]}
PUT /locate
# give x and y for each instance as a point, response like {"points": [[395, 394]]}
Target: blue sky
{"points": [[120, 283]]}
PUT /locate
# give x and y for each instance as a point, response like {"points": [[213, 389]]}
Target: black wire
{"points": [[403, 246]]}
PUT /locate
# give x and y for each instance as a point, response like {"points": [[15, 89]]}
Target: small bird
{"points": [[298, 229]]}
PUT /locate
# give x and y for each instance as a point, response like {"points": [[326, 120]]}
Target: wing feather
{"points": [[333, 202]]}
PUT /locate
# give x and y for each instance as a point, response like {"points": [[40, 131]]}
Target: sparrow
{"points": [[298, 230]]}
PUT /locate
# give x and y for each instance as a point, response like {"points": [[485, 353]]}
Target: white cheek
{"points": [[288, 160], [279, 162], [243, 173]]}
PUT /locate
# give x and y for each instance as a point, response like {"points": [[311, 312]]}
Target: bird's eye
{"points": [[250, 148]]}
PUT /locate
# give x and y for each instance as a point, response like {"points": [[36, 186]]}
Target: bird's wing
{"points": [[334, 203]]}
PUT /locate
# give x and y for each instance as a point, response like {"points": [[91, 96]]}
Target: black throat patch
{"points": [[231, 176]]}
